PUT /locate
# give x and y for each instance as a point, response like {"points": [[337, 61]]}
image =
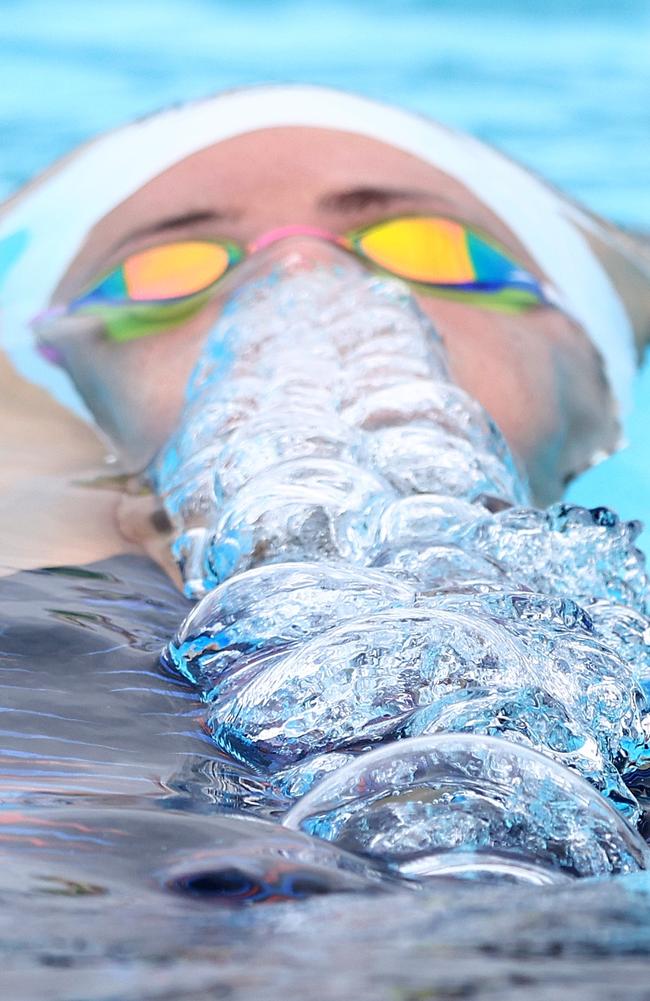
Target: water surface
{"points": [[113, 795]]}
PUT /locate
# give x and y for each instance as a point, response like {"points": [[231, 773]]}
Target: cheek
{"points": [[157, 371], [147, 379], [507, 364]]}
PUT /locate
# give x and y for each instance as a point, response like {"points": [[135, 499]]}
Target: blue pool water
{"points": [[562, 86]]}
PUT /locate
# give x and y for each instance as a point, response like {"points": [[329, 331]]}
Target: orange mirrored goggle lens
{"points": [[171, 271], [174, 271]]}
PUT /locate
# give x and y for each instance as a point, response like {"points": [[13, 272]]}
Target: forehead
{"points": [[280, 175], [270, 157], [315, 152]]}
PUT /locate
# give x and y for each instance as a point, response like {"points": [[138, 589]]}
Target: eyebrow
{"points": [[371, 196], [181, 221]]}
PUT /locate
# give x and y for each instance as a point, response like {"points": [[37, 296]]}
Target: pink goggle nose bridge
{"points": [[282, 232]]}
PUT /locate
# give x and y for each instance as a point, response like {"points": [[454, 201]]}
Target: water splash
{"points": [[371, 572]]}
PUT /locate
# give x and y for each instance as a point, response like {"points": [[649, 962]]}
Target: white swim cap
{"points": [[45, 228]]}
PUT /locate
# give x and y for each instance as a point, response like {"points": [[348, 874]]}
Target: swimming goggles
{"points": [[158, 288]]}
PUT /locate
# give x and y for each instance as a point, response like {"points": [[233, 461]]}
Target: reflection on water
{"points": [[86, 710], [126, 856]]}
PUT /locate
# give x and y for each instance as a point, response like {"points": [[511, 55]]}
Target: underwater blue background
{"points": [[563, 86]]}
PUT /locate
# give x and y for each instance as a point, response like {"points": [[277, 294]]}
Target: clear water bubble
{"points": [[568, 550], [289, 439], [370, 572], [302, 509], [430, 804], [272, 607], [436, 567], [358, 680], [533, 717], [420, 460], [260, 444]]}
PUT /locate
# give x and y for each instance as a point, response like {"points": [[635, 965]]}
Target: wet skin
{"points": [[535, 372]]}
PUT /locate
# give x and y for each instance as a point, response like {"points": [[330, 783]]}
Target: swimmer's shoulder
{"points": [[58, 506], [53, 508], [47, 521]]}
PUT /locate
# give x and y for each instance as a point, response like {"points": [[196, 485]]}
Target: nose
{"points": [[283, 232], [292, 250]]}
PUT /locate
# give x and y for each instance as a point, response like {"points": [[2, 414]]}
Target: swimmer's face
{"points": [[534, 371]]}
